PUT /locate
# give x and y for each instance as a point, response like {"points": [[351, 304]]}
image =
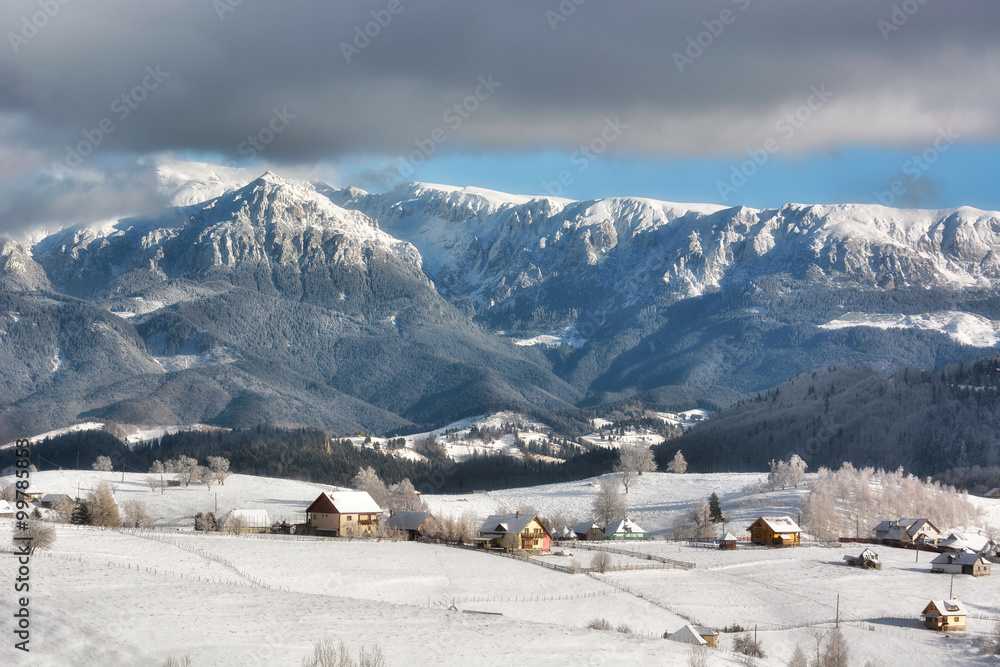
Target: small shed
{"points": [[408, 522], [589, 531], [728, 542], [944, 615], [868, 560], [625, 529], [961, 563], [993, 493]]}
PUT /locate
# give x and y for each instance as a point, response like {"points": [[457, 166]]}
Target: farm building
{"points": [[778, 531], [341, 514], [51, 499], [514, 531], [408, 522], [993, 493], [907, 530], [6, 510], [625, 529], [944, 615], [961, 563], [246, 521], [695, 634], [588, 530], [868, 560]]}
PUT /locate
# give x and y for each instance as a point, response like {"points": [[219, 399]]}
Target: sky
{"points": [[732, 102]]}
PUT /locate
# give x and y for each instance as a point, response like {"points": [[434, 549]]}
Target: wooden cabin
{"points": [[514, 531], [342, 514], [868, 560], [728, 542], [908, 531], [589, 531], [944, 615], [778, 531]]}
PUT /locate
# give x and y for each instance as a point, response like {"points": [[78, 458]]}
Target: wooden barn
{"points": [[778, 531], [868, 560], [944, 615], [340, 514], [589, 531], [407, 522]]}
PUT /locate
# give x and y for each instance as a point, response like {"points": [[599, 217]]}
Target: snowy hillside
{"points": [[195, 589]]}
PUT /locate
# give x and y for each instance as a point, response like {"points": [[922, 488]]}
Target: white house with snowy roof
{"points": [[624, 529]]}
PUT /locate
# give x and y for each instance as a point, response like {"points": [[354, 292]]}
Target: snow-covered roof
{"points": [[406, 520], [993, 493], [622, 527], [781, 524], [728, 537], [55, 497], [949, 607], [6, 507], [584, 526], [689, 635], [963, 558], [501, 524], [251, 518], [353, 502]]}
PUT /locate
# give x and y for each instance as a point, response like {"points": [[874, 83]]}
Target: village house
{"points": [[589, 531], [778, 531], [624, 529], [50, 500], [407, 522], [341, 514], [246, 521], [944, 615], [514, 531], [966, 562], [993, 493], [909, 531], [6, 510]]}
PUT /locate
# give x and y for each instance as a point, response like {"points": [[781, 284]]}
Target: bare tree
{"points": [[8, 491], [219, 465], [799, 657], [235, 525], [602, 562], [183, 661], [836, 650], [152, 481], [206, 476], [36, 535], [678, 464], [698, 657], [326, 654], [64, 508], [102, 505], [796, 470], [102, 463], [136, 514], [608, 503], [158, 467]]}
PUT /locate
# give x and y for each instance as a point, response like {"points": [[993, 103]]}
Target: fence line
{"points": [[679, 564]]}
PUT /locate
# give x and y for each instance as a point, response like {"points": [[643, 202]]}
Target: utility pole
{"points": [[216, 502], [123, 471], [838, 610], [951, 592], [78, 459]]}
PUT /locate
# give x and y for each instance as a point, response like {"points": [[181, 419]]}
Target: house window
{"points": [[349, 518]]}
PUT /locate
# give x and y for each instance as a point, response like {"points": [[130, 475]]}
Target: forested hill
{"points": [[927, 421]]}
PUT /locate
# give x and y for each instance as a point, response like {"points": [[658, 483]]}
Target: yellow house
{"points": [[944, 615], [515, 531], [342, 514], [779, 531]]}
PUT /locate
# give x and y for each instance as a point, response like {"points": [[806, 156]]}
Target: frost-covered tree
{"points": [[796, 470], [186, 468], [367, 480], [633, 460], [404, 497], [157, 467], [34, 534], [608, 505], [136, 514], [103, 463], [219, 466], [678, 464], [799, 657], [835, 653]]}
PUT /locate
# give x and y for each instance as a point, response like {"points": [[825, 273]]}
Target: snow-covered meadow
{"points": [[103, 597]]}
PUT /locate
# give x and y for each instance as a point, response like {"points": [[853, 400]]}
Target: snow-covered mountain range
{"points": [[261, 297]]}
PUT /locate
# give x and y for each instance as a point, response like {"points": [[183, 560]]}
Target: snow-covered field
{"points": [[966, 328], [102, 597]]}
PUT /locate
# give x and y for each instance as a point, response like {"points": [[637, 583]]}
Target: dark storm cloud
{"points": [[272, 80]]}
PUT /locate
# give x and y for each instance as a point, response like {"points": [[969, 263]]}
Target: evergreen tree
{"points": [[81, 515], [714, 508]]}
